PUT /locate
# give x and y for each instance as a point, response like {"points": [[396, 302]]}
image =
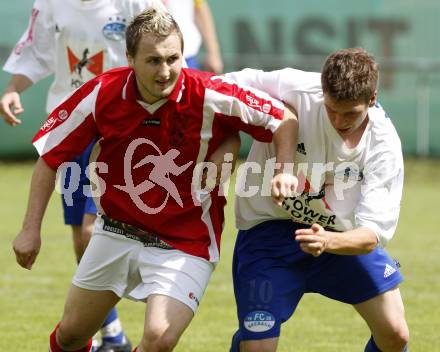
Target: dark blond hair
{"points": [[350, 74], [152, 21]]}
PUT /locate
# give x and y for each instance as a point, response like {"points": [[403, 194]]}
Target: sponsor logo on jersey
{"points": [[151, 122], [193, 297], [115, 29], [259, 321], [63, 114], [389, 270], [256, 104], [50, 122], [266, 108], [349, 174], [300, 210], [94, 64]]}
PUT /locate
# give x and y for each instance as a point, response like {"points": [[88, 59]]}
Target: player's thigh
{"points": [[384, 314], [166, 318], [269, 279], [84, 312], [353, 279]]}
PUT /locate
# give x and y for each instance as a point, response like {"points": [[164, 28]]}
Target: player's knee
{"points": [[395, 339], [158, 341], [68, 339]]}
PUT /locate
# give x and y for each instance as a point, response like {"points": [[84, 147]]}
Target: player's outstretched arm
{"points": [[28, 241], [316, 240], [284, 183], [10, 103]]}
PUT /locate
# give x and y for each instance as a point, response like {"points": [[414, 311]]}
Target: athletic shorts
{"points": [[192, 62], [124, 266], [271, 273], [81, 204]]}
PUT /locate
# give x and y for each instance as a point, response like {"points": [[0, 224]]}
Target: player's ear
{"points": [[130, 59], [373, 99]]}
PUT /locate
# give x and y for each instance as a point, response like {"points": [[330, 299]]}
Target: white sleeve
{"points": [[286, 84], [34, 54], [381, 193]]}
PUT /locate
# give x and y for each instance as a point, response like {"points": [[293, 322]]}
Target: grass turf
{"points": [[31, 302]]}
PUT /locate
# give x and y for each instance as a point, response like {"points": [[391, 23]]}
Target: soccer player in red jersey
{"points": [[157, 237]]}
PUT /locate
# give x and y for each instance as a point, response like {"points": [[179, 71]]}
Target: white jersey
{"points": [[74, 40], [340, 188], [183, 12]]}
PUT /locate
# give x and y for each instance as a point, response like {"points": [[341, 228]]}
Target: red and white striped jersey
{"points": [[150, 152]]}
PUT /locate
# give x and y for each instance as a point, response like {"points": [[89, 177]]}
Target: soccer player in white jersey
{"points": [[157, 237], [74, 40], [329, 238]]}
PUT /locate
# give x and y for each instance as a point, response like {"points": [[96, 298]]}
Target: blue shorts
{"points": [[271, 273], [192, 62], [81, 204]]}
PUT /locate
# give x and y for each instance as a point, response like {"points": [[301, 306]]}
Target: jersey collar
{"points": [[130, 92]]}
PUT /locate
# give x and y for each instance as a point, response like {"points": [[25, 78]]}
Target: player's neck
{"points": [[353, 139]]}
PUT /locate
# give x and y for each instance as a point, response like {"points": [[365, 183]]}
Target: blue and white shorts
{"points": [[271, 273]]}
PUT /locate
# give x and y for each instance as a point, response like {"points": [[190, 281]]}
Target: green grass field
{"points": [[31, 302]]}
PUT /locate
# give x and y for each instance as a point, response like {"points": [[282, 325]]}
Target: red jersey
{"points": [[150, 152]]}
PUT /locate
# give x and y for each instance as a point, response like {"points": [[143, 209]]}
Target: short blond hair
{"points": [[152, 21], [350, 74]]}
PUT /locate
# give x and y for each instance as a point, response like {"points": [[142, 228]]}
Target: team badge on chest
{"points": [[115, 28]]}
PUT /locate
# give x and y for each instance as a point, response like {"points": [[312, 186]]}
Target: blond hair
{"points": [[350, 74], [152, 21]]}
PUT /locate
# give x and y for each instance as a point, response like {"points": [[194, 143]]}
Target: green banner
{"points": [[272, 35]]}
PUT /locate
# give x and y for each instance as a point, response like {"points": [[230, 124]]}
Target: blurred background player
{"points": [[197, 25], [74, 40]]}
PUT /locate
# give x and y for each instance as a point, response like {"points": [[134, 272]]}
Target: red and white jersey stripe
{"points": [[134, 139]]}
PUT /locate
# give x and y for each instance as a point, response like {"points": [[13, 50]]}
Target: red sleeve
{"points": [[70, 128], [244, 108]]}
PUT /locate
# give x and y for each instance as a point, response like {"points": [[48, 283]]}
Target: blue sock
{"points": [[371, 346], [235, 343], [111, 317], [111, 330]]}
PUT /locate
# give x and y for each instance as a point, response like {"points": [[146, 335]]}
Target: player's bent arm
{"points": [[10, 104], [361, 240], [316, 240], [285, 139], [28, 242]]}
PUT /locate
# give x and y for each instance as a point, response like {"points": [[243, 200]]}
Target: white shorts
{"points": [[124, 266]]}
